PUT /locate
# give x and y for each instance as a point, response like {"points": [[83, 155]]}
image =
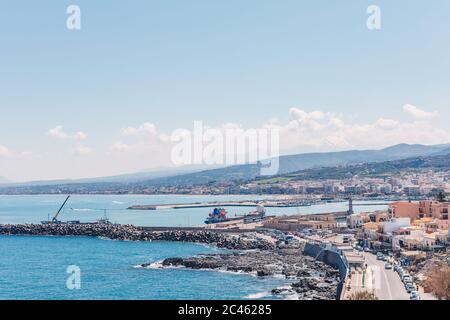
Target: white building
{"points": [[395, 224]]}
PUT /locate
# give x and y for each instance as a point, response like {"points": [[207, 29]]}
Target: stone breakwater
{"points": [[132, 233], [309, 279]]}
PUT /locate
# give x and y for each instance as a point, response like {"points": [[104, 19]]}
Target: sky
{"points": [[105, 99]]}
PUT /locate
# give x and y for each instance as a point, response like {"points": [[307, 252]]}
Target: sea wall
{"points": [[331, 257]]}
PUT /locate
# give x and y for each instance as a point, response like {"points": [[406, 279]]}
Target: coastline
{"points": [[306, 278]]}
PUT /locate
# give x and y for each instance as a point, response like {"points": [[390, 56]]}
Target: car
{"points": [[414, 297], [410, 288], [407, 280], [366, 249], [388, 266], [408, 283]]}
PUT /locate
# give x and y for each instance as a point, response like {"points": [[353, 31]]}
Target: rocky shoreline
{"points": [[309, 279], [132, 233]]}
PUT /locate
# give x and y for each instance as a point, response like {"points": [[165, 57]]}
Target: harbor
{"points": [[261, 254], [265, 203]]}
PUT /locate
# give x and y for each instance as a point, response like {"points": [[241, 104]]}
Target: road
{"points": [[386, 283]]}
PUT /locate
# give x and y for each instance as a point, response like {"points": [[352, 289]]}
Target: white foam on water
{"points": [[258, 295]]}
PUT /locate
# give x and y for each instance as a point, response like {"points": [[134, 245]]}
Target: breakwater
{"points": [[133, 233], [267, 204]]}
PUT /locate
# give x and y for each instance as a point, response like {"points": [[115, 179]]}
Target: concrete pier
{"points": [[267, 204]]}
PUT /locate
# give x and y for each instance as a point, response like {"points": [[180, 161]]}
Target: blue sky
{"points": [[170, 63]]}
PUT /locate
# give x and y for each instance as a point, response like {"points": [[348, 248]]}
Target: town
{"points": [[394, 254], [417, 185]]}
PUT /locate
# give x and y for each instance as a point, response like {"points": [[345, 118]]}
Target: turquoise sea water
{"points": [[35, 267], [34, 209]]}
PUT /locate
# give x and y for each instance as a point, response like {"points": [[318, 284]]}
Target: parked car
{"points": [[388, 266], [405, 276], [410, 288], [407, 280]]}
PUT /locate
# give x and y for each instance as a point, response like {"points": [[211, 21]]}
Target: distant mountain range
{"points": [[123, 178], [294, 163], [3, 180], [199, 176], [371, 169]]}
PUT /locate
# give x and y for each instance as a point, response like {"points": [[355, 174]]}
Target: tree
{"points": [[439, 281], [441, 197], [363, 295]]}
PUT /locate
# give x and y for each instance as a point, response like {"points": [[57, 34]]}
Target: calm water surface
{"points": [[35, 267]]}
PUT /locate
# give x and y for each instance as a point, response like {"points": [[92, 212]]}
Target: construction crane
{"points": [[55, 218]]}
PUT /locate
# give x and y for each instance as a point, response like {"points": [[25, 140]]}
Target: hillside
{"points": [[294, 163], [3, 180], [374, 169], [328, 165]]}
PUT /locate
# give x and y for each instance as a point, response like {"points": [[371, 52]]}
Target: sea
{"points": [[84, 268]]}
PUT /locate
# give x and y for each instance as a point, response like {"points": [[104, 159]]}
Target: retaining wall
{"points": [[332, 257]]}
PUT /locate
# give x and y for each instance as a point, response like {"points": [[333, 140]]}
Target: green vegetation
{"points": [[273, 180], [373, 169], [363, 295]]}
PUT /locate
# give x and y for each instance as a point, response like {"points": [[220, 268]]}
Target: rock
{"points": [[129, 232]]}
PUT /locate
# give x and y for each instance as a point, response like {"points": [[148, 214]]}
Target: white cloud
{"points": [[81, 150], [142, 139], [120, 147], [58, 133], [323, 131], [145, 129], [4, 151], [417, 113], [308, 131]]}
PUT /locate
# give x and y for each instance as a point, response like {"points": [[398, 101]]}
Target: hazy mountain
{"points": [[198, 176], [3, 180], [443, 152], [373, 169], [293, 163], [123, 178]]}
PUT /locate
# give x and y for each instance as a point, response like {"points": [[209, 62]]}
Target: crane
{"points": [[55, 218]]}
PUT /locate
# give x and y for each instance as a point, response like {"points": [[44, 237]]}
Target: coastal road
{"points": [[386, 283]]}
